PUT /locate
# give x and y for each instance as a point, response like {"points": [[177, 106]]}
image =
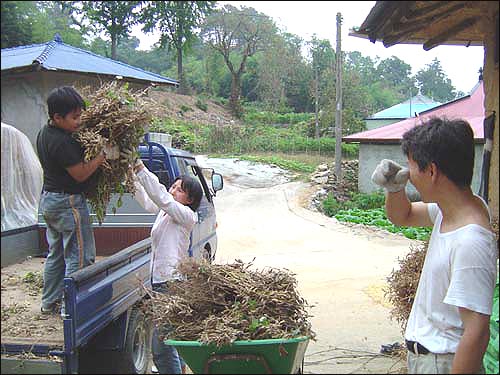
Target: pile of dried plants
{"points": [[117, 115], [403, 282], [219, 304]]}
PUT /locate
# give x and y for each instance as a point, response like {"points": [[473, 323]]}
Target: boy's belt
{"points": [[416, 348], [60, 191]]}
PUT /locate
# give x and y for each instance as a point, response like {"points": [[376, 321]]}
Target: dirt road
{"points": [[340, 269]]}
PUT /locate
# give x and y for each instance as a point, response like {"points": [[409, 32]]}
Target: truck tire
{"points": [[136, 354]]}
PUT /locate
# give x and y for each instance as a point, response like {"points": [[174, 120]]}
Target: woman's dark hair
{"points": [[63, 100], [447, 143], [193, 189]]}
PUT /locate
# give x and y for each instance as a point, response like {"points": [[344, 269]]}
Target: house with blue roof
{"points": [[30, 72], [407, 109]]}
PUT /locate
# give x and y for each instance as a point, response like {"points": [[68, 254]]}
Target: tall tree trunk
{"points": [[113, 46], [180, 73], [234, 101], [316, 107]]}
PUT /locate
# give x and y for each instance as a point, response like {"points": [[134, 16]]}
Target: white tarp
{"points": [[22, 179]]}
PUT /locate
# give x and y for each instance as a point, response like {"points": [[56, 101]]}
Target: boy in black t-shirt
{"points": [[62, 204]]}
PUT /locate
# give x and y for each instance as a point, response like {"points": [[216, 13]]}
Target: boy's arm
{"points": [[82, 171], [469, 356]]}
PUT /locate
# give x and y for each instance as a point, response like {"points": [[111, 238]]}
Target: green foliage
{"points": [[114, 18], [201, 105], [377, 217], [252, 116], [358, 200], [369, 209], [185, 108], [290, 165], [16, 22], [434, 83]]}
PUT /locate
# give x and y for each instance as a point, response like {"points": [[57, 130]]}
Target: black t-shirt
{"points": [[57, 150]]}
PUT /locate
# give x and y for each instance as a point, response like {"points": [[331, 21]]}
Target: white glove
{"points": [[390, 175], [111, 152], [128, 155]]}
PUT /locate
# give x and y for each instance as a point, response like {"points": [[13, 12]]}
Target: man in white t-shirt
{"points": [[448, 327]]}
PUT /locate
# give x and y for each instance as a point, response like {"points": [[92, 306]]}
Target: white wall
{"points": [[371, 154]]}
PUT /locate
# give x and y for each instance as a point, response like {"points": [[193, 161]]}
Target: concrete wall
{"points": [[373, 124], [371, 154], [24, 97]]}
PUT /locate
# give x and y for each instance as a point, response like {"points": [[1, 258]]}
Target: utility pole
{"points": [[316, 94], [338, 105]]}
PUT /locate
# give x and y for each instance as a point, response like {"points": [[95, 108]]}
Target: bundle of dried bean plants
{"points": [[117, 115], [403, 282], [219, 304]]}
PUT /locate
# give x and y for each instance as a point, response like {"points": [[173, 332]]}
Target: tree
{"points": [[114, 18], [397, 74], [176, 21], [58, 17], [16, 22], [434, 83], [237, 34]]}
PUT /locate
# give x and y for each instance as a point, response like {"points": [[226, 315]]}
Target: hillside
{"points": [[185, 107]]}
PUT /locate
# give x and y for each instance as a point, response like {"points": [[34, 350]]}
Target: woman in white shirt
{"points": [[176, 209]]}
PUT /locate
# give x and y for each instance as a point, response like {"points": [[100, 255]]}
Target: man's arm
{"points": [[469, 356], [82, 171], [400, 211]]}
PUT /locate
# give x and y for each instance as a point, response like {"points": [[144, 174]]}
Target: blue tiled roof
{"points": [[56, 55], [406, 109]]}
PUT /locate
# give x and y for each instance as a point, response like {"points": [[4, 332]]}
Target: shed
{"points": [[409, 108], [461, 23], [385, 142], [30, 72]]}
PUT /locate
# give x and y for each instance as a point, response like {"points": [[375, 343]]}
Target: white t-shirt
{"points": [[172, 227], [459, 271]]}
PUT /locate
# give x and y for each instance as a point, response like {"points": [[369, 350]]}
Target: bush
{"points": [[202, 105]]}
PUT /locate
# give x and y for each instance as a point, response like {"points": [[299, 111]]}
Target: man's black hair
{"points": [[63, 100], [447, 143], [193, 189]]}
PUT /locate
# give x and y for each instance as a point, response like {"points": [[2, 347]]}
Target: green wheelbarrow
{"points": [[273, 356]]}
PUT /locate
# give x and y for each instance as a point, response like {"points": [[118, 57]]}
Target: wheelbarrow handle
{"points": [[243, 357]]}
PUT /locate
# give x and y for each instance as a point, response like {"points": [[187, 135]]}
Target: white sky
{"points": [[305, 18]]}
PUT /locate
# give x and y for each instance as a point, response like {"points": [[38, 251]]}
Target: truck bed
{"points": [[21, 319]]}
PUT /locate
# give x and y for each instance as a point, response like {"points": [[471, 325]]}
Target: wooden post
{"points": [[338, 105]]}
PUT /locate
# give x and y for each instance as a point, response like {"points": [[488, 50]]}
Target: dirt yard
{"points": [[341, 270]]}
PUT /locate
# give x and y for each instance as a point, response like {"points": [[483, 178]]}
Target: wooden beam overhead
{"points": [[424, 11], [382, 22], [427, 21], [443, 37]]}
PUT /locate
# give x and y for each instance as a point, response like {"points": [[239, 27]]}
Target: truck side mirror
{"points": [[217, 182]]}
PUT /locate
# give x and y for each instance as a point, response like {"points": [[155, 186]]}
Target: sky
{"points": [[305, 18]]}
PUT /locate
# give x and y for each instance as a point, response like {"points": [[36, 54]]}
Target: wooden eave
{"points": [[430, 23]]}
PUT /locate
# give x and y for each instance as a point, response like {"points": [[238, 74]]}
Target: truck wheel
{"points": [[135, 356]]}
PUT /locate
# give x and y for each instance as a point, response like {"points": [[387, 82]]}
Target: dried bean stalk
{"points": [[118, 116], [218, 304]]}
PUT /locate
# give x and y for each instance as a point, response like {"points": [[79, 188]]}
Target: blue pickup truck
{"points": [[104, 329]]}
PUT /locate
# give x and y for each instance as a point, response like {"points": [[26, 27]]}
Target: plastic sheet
{"points": [[22, 180]]}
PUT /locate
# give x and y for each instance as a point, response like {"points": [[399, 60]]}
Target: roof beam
{"points": [[424, 21], [419, 12], [383, 19], [443, 37]]}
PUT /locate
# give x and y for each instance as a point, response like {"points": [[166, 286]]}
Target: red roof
{"points": [[470, 108]]}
